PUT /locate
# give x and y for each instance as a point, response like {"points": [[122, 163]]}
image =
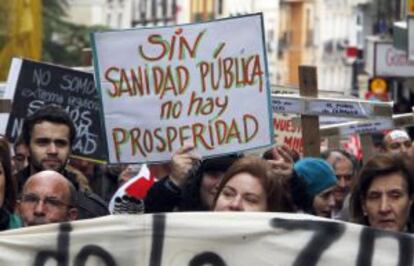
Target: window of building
{"points": [[119, 20], [270, 40], [220, 7], [309, 29], [108, 19]]}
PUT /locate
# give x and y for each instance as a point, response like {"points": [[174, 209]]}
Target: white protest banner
{"points": [[206, 83], [330, 107], [287, 105], [199, 239], [374, 125], [368, 127], [356, 127]]}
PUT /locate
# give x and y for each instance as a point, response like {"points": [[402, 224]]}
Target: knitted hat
{"points": [[317, 174], [218, 164]]}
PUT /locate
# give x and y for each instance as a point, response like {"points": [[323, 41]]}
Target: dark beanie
{"points": [[190, 196], [218, 164], [317, 173]]}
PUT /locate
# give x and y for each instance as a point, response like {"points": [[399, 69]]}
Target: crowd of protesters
{"points": [[41, 184]]}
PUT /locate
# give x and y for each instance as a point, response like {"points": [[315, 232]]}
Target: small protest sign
{"points": [[331, 107], [129, 197], [35, 84], [286, 131], [161, 87]]}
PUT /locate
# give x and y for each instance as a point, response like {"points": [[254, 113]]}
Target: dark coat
{"points": [[163, 196]]}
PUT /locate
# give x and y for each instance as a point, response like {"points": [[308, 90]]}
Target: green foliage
{"points": [[63, 41]]}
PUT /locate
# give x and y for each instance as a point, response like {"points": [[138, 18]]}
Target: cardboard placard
{"points": [[35, 84], [161, 87]]}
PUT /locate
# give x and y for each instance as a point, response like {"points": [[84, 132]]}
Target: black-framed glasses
{"points": [[49, 202], [345, 177], [399, 145]]}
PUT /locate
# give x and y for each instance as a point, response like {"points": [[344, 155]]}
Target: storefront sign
{"points": [[389, 62]]}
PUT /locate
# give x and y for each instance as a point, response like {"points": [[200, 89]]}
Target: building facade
{"points": [[123, 14], [325, 33], [115, 14], [271, 19]]}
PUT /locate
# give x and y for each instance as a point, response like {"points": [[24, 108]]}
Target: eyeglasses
{"points": [[49, 202], [19, 158], [345, 177], [398, 145]]}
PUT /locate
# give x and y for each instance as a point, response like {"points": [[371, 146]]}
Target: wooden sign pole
{"points": [[367, 146], [377, 115], [308, 86], [5, 105]]}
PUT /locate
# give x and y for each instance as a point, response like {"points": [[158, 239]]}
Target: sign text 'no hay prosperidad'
{"points": [[199, 83]]}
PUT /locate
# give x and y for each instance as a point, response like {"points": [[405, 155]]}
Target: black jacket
{"points": [[163, 196]]}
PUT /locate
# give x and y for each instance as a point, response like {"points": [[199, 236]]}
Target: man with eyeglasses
{"points": [[397, 141], [49, 134], [344, 165], [47, 197]]}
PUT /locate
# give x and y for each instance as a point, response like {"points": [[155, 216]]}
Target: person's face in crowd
{"points": [[2, 184], [324, 203], [208, 188], [387, 203], [344, 172], [46, 199], [49, 146], [243, 192], [20, 158], [401, 144]]}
